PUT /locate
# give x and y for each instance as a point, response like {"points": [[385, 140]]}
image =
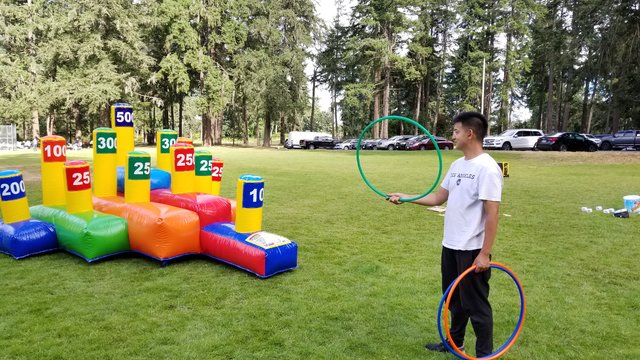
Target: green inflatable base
{"points": [[91, 235]]}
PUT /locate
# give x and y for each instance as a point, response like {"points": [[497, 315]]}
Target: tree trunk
{"points": [[549, 119], [504, 117], [376, 104], [334, 108], [207, 138], [591, 102], [165, 117], [440, 87], [173, 117], [217, 127], [180, 106], [568, 96], [51, 122], [282, 128], [77, 119], [559, 101], [313, 98], [386, 98], [489, 94], [585, 106], [427, 99], [416, 111], [266, 139], [35, 123], [245, 121]]}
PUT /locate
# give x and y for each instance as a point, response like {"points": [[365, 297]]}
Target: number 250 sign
{"points": [[78, 178], [183, 158]]}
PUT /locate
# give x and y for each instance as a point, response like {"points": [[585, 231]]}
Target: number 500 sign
{"points": [[123, 116]]}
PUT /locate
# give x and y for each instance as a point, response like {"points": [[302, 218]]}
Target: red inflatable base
{"points": [[210, 209]]}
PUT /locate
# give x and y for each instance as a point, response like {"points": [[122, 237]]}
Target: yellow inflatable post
{"points": [[164, 139], [13, 197], [137, 187], [78, 187], [216, 175], [122, 121], [185, 140], [53, 157], [105, 182], [249, 200], [203, 172], [182, 169]]}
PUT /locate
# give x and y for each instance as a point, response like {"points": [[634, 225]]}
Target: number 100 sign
{"points": [[253, 195]]}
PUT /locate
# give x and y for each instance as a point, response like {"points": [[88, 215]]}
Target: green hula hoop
{"points": [[435, 183]]}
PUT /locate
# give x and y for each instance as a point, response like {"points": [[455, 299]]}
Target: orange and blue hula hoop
{"points": [[446, 298]]}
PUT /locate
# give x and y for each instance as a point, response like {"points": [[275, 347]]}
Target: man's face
{"points": [[461, 136]]}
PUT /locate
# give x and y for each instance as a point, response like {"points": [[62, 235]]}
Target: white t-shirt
{"points": [[469, 182]]}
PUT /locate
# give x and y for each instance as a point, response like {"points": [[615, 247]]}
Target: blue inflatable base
{"points": [[160, 179], [261, 253], [26, 238]]}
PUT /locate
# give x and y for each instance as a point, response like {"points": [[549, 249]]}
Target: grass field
{"points": [[367, 286]]}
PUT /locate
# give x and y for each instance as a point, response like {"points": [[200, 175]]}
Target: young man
{"points": [[472, 188]]}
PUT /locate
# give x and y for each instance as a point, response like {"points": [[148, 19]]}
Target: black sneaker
{"points": [[439, 347]]}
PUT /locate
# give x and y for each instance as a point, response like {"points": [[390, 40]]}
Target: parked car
{"points": [[593, 138], [621, 140], [392, 143], [406, 144], [427, 144], [325, 142], [370, 144], [566, 141], [347, 144], [296, 138], [513, 139]]}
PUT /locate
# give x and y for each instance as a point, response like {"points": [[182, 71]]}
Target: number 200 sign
{"points": [[253, 195], [78, 178], [12, 188]]}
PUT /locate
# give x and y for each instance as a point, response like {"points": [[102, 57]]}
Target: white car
{"points": [[513, 139]]}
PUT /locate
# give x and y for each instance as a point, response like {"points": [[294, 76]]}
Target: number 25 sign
{"points": [[183, 159], [78, 178]]}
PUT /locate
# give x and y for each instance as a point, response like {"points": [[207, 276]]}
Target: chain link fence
{"points": [[8, 137]]}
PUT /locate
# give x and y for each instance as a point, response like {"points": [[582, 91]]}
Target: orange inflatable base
{"points": [[159, 231]]}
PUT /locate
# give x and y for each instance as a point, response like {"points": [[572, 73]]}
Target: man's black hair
{"points": [[475, 121]]}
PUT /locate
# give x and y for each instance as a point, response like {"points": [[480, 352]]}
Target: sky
{"points": [[326, 10]]}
